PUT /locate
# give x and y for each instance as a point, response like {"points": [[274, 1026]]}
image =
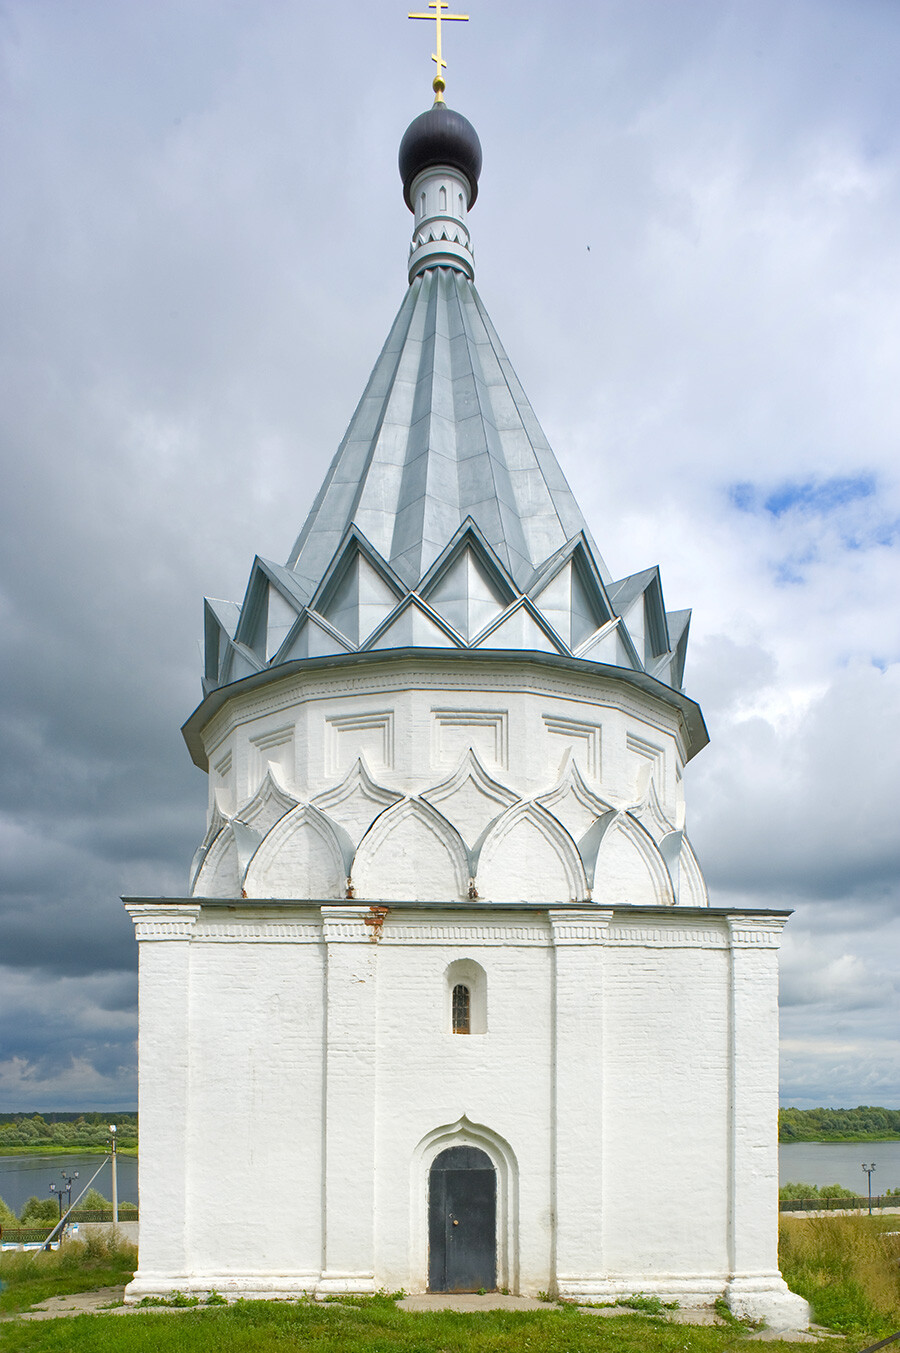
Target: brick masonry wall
{"points": [[602, 1087]]}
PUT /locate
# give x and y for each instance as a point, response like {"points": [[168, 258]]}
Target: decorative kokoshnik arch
{"points": [[565, 845], [411, 853], [527, 854]]}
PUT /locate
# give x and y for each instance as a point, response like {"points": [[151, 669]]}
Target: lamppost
{"points": [[868, 1169], [64, 1188], [115, 1190]]}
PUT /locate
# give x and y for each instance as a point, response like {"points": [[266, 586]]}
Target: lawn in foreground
{"points": [[847, 1267], [29, 1277], [374, 1325]]}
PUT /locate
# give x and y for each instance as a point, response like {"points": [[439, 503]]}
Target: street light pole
{"points": [[115, 1189], [868, 1169], [64, 1188]]}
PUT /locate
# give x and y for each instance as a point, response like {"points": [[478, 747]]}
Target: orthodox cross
{"points": [[437, 7]]}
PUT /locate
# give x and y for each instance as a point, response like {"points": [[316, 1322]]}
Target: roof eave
{"points": [[479, 910], [695, 732]]}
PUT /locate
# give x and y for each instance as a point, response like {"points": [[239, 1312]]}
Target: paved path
{"points": [[684, 1315], [107, 1301], [470, 1301], [102, 1301], [842, 1212], [74, 1303]]}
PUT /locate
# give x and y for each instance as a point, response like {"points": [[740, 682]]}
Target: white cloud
{"points": [[202, 244], [806, 803]]}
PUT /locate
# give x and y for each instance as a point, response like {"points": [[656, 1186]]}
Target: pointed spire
{"points": [[445, 522], [443, 432], [440, 161]]}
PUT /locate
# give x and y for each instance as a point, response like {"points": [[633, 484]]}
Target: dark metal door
{"points": [[462, 1222]]}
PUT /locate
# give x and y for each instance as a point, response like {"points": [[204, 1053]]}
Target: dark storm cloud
{"points": [[78, 1042], [202, 245], [811, 809]]}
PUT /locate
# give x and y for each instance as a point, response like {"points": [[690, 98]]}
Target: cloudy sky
{"points": [[687, 238]]}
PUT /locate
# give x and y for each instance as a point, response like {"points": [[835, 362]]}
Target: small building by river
{"points": [[447, 968]]}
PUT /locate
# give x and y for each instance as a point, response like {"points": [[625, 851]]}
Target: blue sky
{"points": [[812, 497], [686, 237]]}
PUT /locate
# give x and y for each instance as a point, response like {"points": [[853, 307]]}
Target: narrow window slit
{"points": [[461, 1010]]}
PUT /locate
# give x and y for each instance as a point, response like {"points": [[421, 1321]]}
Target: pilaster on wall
{"points": [[578, 938], [348, 1128], [164, 1042], [753, 1240]]}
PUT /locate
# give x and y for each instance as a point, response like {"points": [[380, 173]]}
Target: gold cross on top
{"points": [[437, 7]]}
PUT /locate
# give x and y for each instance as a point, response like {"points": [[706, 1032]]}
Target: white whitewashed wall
{"points": [[521, 826], [607, 1088], [509, 782]]}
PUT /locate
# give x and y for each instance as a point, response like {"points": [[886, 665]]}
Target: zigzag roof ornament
{"points": [[445, 523]]}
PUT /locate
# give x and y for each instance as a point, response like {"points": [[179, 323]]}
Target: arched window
{"points": [[442, 200], [462, 1009], [465, 997]]}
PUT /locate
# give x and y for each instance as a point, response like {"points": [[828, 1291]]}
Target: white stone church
{"points": [[447, 1007]]}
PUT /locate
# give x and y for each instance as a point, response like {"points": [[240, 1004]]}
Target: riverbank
{"points": [[865, 1123], [25, 1176], [859, 1138], [70, 1149]]}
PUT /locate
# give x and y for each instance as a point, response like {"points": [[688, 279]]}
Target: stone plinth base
{"points": [[252, 1286], [339, 1284], [764, 1297], [767, 1297]]}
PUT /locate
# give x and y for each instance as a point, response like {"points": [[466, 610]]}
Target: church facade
{"points": [[446, 1006]]}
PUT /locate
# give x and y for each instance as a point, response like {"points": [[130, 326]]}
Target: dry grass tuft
{"points": [[846, 1267]]}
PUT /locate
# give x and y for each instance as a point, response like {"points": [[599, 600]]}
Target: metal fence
{"points": [[24, 1235], [127, 1212], [30, 1235], [836, 1204]]}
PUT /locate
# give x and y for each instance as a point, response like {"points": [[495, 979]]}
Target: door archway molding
{"points": [[466, 1133]]}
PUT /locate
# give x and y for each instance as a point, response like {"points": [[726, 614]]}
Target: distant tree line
{"points": [[66, 1130], [863, 1124], [810, 1192], [45, 1211]]}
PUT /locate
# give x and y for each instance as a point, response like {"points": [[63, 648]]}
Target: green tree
{"points": [[866, 1122], [37, 1210], [7, 1216], [93, 1201], [794, 1191], [836, 1191]]}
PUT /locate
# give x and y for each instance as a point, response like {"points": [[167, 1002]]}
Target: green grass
{"points": [[848, 1269], [845, 1266], [32, 1276], [372, 1326]]}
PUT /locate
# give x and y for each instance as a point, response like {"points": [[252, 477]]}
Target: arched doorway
{"points": [[462, 1221]]}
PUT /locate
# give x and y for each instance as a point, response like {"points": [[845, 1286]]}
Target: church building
{"points": [[447, 1007]]}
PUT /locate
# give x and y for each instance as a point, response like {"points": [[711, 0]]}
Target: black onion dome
{"points": [[440, 136]]}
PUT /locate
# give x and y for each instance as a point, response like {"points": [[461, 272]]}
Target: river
{"points": [[799, 1162], [840, 1163], [22, 1176]]}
